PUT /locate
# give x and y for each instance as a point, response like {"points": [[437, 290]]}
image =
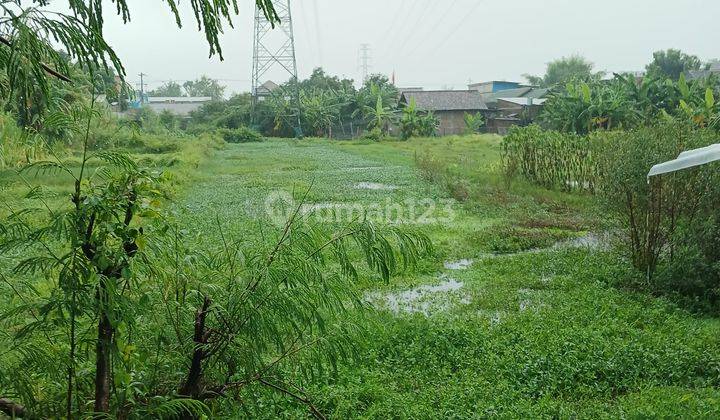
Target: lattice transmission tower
{"points": [[274, 52]]}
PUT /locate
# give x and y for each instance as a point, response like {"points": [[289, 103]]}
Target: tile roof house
{"points": [[449, 106]]}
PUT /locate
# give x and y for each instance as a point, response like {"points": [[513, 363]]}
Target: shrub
{"points": [[239, 135], [169, 120], [375, 134], [670, 222], [416, 124], [473, 123]]}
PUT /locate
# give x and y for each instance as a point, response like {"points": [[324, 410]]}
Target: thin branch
{"points": [[315, 412], [43, 65]]}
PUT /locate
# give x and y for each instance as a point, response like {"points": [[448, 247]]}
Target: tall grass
{"points": [[17, 146], [552, 159]]}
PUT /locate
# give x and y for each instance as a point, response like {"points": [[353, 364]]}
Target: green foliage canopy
{"points": [[671, 64], [168, 89], [205, 86], [564, 70]]}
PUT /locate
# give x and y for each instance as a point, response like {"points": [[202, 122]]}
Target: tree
{"points": [[377, 85], [321, 109], [98, 232], [205, 86], [319, 79], [563, 70], [170, 89], [671, 63], [31, 40]]}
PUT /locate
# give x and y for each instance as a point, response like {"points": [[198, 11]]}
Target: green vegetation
{"points": [[574, 68], [672, 63], [415, 124], [549, 332], [667, 225], [160, 268], [473, 123], [552, 159], [239, 135], [624, 102]]}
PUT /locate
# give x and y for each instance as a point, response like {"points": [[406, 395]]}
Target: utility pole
{"points": [[364, 61], [142, 88], [276, 52]]}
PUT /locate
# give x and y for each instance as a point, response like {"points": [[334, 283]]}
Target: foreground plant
{"points": [[270, 315]]}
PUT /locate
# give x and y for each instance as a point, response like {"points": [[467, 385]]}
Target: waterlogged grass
{"points": [[546, 334], [525, 329]]}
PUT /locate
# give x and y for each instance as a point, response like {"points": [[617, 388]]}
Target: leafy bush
{"points": [[375, 134], [550, 158], [239, 135], [413, 123], [670, 222], [473, 123]]}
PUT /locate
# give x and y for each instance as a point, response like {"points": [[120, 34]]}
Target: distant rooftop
{"points": [[446, 100], [523, 92], [701, 74], [525, 101], [410, 89], [178, 99]]}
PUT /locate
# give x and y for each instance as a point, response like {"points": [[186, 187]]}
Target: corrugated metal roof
{"points": [[523, 101], [446, 100], [525, 92]]}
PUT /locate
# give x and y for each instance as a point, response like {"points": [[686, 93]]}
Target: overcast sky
{"points": [[430, 43]]}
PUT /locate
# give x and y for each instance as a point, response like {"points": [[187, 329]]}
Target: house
{"points": [[509, 103], [266, 89], [513, 111], [181, 105], [449, 106]]}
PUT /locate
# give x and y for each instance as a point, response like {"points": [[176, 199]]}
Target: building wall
{"points": [[501, 126], [498, 86], [492, 87], [451, 122], [182, 109]]}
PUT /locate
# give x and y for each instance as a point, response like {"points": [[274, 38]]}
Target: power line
{"points": [[305, 25], [317, 32], [390, 28], [412, 32], [435, 26], [401, 27], [457, 27]]}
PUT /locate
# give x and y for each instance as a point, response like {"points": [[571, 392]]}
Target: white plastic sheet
{"points": [[688, 159]]}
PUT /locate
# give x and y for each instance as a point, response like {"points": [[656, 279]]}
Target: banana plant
{"points": [[379, 116]]}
